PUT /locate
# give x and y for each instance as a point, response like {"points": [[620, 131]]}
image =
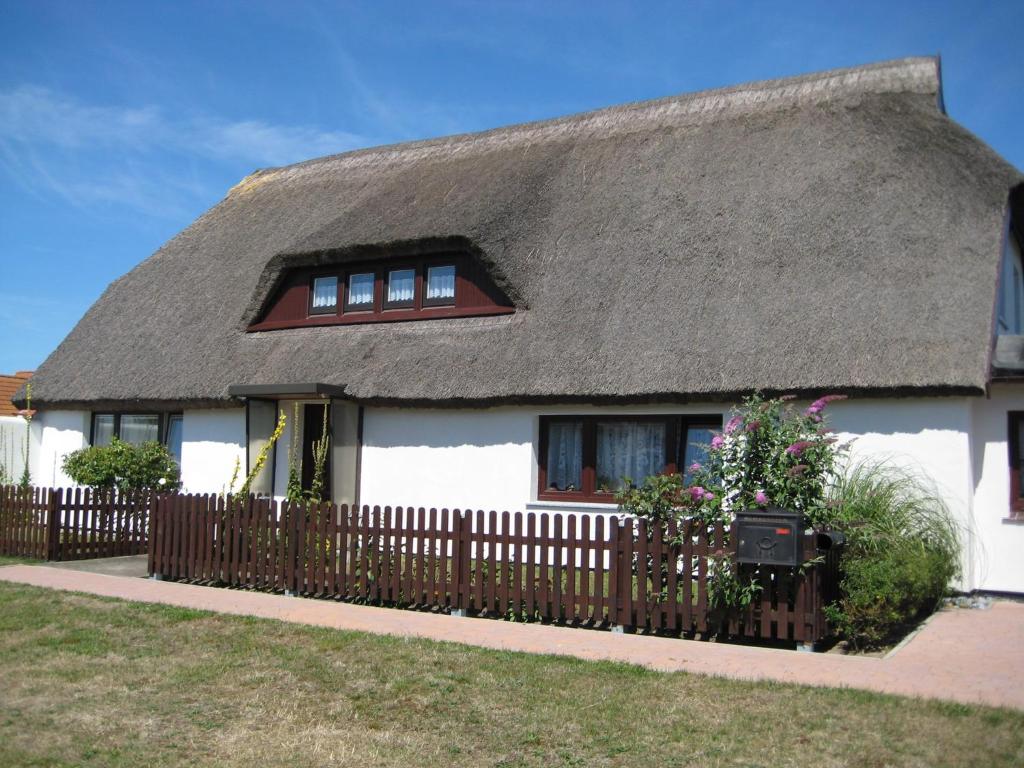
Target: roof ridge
{"points": [[918, 74]]}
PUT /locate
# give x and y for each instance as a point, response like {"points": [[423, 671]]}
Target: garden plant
{"points": [[903, 547]]}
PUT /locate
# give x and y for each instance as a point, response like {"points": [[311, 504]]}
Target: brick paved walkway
{"points": [[971, 656]]}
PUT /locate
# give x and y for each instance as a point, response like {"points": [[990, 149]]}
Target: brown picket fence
{"points": [[585, 571], [23, 521], [78, 524]]}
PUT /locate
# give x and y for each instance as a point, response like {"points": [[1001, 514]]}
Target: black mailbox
{"points": [[770, 537]]}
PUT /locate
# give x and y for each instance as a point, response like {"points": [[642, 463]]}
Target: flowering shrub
{"points": [[769, 454]]}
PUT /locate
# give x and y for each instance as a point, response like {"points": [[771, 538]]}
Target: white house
{"points": [[514, 319]]}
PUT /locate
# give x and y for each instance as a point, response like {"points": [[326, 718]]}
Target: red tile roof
{"points": [[9, 385]]}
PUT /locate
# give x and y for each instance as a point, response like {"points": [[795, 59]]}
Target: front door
{"points": [[313, 417]]}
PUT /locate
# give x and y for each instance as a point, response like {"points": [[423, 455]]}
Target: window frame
{"points": [[676, 427], [1014, 420], [165, 430], [370, 306], [443, 301], [312, 311], [162, 420], [414, 302]]}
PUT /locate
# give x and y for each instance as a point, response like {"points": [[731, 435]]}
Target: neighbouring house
{"points": [[516, 319], [13, 427]]}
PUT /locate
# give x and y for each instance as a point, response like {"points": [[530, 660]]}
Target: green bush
{"points": [[903, 549], [124, 466]]}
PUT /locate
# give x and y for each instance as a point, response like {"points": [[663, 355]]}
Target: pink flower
{"points": [[731, 425], [819, 405], [761, 498], [799, 447], [695, 467], [753, 426], [708, 495], [717, 442], [697, 493]]}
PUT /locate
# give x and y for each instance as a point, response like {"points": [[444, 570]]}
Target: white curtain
{"points": [[441, 283], [565, 455], [325, 292], [633, 449], [102, 428], [360, 289], [174, 437], [697, 441], [401, 284], [138, 429]]}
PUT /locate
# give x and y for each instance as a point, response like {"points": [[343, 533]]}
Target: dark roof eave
{"points": [[295, 389]]}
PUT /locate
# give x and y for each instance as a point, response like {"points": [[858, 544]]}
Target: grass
{"points": [[8, 560], [90, 681]]}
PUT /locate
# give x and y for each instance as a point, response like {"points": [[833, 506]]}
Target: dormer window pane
{"points": [[401, 286], [441, 284], [325, 294], [360, 290]]}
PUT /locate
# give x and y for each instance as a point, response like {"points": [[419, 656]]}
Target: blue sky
{"points": [[121, 122]]}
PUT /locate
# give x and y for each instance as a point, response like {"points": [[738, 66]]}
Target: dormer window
{"points": [[401, 289], [324, 296], [385, 290], [1010, 314], [360, 291], [440, 286]]}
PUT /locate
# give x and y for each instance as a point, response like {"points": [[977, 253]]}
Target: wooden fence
{"points": [[79, 524], [600, 571]]}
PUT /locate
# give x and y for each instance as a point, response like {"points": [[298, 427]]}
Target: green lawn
{"points": [[90, 681], [7, 560]]}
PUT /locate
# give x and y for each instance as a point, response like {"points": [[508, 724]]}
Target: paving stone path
{"points": [[970, 656]]}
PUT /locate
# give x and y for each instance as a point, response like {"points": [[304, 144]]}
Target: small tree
{"points": [[124, 467]]}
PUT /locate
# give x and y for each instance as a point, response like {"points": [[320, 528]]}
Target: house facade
{"points": [[517, 319]]}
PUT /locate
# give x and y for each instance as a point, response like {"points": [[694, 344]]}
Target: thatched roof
{"points": [[835, 231]]}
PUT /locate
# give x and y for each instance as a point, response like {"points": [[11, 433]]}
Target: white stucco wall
{"points": [[999, 555], [55, 434], [211, 441], [12, 447], [486, 459]]}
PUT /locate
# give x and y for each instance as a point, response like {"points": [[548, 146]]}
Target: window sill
{"points": [[559, 506], [1014, 520]]}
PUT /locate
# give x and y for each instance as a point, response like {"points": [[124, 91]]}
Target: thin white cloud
{"points": [[54, 145]]}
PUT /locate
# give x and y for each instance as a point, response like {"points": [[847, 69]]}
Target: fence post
{"points": [[53, 512], [460, 565]]}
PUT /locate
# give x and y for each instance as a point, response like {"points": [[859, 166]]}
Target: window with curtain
{"points": [[173, 437], [1015, 445], [325, 294], [587, 458], [628, 450], [401, 287], [139, 428], [695, 449], [102, 428], [565, 456], [440, 285], [360, 290]]}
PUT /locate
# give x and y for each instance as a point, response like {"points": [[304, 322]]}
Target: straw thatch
{"points": [[835, 231]]}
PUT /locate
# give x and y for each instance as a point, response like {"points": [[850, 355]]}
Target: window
{"points": [[588, 458], [444, 285], [1010, 309], [360, 291], [132, 428], [440, 286], [401, 288], [172, 436], [324, 296], [1015, 444]]}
